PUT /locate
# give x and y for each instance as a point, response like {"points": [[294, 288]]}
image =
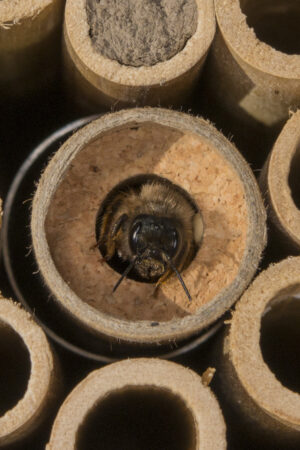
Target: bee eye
{"points": [[134, 235], [174, 240]]}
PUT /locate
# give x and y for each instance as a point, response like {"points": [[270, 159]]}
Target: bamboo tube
{"points": [[28, 374], [190, 153], [142, 393], [29, 44], [97, 80], [259, 391], [248, 73], [279, 181]]}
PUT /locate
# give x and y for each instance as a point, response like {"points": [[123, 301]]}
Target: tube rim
{"points": [[257, 54], [162, 374], [17, 420], [141, 331], [99, 70], [243, 342]]}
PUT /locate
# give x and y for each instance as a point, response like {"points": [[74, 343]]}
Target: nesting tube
{"points": [[190, 153], [29, 45], [280, 183], [152, 403], [255, 61], [260, 371], [28, 374], [135, 53]]}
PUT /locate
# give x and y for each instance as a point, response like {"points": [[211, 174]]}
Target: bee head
{"points": [[151, 238]]}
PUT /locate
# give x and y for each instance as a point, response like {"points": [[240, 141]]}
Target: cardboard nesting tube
{"points": [[254, 80], [145, 374], [25, 337], [29, 44], [187, 151], [280, 170], [249, 383], [96, 80]]}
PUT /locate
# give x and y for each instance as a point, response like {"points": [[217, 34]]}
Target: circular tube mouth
{"points": [[15, 367], [31, 289], [259, 50], [269, 306], [275, 23], [280, 180], [137, 121], [144, 417], [146, 403], [91, 63], [294, 179], [280, 337], [28, 373]]}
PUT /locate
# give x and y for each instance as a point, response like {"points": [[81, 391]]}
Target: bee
{"points": [[149, 228]]}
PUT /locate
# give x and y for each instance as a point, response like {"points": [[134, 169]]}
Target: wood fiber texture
{"points": [[142, 373], [119, 82], [248, 381], [42, 386], [208, 178], [279, 180], [254, 81]]}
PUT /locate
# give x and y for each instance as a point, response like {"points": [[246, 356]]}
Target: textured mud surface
{"points": [[141, 32]]}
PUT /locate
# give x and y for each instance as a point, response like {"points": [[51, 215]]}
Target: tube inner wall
{"points": [[15, 368], [139, 418]]}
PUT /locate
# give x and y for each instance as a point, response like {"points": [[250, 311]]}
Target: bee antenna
{"points": [[174, 268], [125, 273]]}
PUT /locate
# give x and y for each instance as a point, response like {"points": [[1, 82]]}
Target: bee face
{"points": [[145, 229], [151, 238], [154, 233]]}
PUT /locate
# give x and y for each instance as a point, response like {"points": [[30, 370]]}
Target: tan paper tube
{"points": [[29, 44], [28, 372], [194, 414], [189, 152], [248, 382], [280, 182], [252, 78], [97, 80]]}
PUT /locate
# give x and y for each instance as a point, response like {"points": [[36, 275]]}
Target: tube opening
{"points": [[294, 179], [140, 33], [120, 199], [275, 22], [15, 368], [280, 337], [185, 159], [144, 417]]}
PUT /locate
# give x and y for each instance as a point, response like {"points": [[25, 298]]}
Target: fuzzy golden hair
{"points": [[157, 199]]}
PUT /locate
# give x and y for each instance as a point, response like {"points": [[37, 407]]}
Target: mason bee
{"points": [[148, 228]]}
